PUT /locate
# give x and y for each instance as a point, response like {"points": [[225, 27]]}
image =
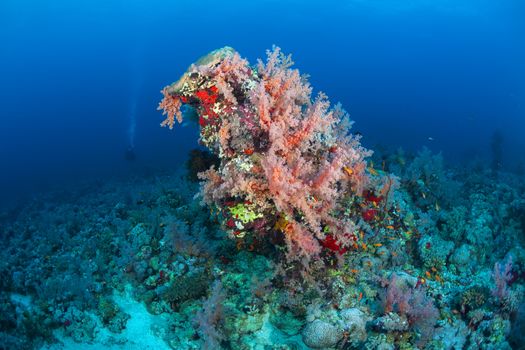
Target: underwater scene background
{"points": [[262, 175]]}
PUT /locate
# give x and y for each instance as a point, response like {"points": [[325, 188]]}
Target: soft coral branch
{"points": [[170, 106]]}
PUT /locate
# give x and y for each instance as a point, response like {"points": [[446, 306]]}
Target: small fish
{"points": [[427, 274], [364, 246], [433, 269], [348, 171], [438, 208], [423, 195], [239, 245], [354, 271], [390, 227], [378, 245], [360, 296], [430, 138]]}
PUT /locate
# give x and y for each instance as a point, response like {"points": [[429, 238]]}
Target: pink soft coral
{"points": [[170, 105], [286, 158]]}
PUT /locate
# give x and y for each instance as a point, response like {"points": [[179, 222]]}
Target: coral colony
{"points": [[291, 175], [282, 233]]}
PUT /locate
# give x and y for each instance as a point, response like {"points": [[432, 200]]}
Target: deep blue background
{"points": [[407, 71]]}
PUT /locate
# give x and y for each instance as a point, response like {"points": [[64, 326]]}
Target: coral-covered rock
{"points": [[392, 322], [452, 336], [463, 258], [139, 236], [354, 323], [286, 157], [434, 251]]}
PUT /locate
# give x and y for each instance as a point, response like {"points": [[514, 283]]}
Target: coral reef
{"points": [[293, 239]]}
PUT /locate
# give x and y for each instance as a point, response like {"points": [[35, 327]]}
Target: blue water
{"points": [[80, 80]]}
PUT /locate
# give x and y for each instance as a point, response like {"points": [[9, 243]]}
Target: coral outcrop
{"points": [[288, 162]]}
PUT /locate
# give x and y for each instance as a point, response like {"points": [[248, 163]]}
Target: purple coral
{"points": [[503, 276], [412, 302], [210, 317]]}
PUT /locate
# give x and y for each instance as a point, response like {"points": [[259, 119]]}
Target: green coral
{"points": [[107, 310], [188, 287], [112, 315], [244, 213], [474, 298]]}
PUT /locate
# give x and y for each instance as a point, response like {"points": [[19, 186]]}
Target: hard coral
{"points": [[286, 156], [321, 335]]}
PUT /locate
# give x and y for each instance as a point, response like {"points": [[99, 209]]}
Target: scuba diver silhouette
{"points": [[130, 154]]}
